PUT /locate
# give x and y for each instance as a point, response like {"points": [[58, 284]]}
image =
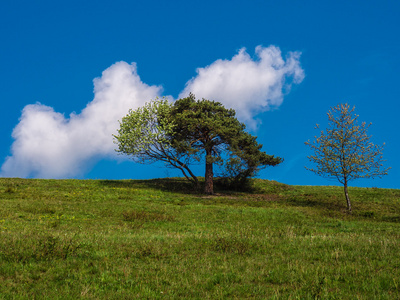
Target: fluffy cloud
{"points": [[48, 145], [248, 85]]}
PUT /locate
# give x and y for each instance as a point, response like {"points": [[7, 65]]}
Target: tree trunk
{"points": [[209, 187], [347, 196]]}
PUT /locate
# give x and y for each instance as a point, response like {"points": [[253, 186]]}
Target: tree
{"points": [[344, 151], [144, 135], [207, 127], [187, 131]]}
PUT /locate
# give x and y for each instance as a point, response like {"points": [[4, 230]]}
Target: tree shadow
{"points": [[310, 201], [176, 185]]}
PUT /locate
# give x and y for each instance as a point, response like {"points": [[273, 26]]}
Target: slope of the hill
{"points": [[156, 239]]}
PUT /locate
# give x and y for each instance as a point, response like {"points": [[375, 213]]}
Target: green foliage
{"points": [[137, 239], [245, 159], [207, 128], [188, 131], [344, 151], [144, 134]]}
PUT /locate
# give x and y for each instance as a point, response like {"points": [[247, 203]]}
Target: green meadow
{"points": [[157, 239]]}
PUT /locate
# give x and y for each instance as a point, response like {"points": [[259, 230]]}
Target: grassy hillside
{"points": [[157, 239]]}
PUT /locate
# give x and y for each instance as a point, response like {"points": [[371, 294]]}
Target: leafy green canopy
{"points": [[144, 134]]}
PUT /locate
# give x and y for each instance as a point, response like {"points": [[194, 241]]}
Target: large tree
{"points": [[187, 132], [344, 152], [206, 128]]}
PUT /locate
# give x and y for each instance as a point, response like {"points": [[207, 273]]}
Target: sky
{"points": [[71, 69]]}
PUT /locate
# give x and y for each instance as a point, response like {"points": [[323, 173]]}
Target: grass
{"points": [[91, 239]]}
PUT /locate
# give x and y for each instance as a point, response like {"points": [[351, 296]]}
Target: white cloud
{"points": [[48, 145], [248, 85]]}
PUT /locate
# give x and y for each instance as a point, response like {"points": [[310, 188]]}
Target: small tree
{"points": [[344, 151], [144, 134]]}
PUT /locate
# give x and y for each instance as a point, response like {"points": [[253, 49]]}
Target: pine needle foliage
{"points": [[205, 127]]}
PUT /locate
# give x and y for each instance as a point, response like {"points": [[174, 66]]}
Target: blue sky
{"points": [[324, 53]]}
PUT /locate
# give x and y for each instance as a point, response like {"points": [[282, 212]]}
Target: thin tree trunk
{"points": [[193, 179], [209, 187], [347, 196]]}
